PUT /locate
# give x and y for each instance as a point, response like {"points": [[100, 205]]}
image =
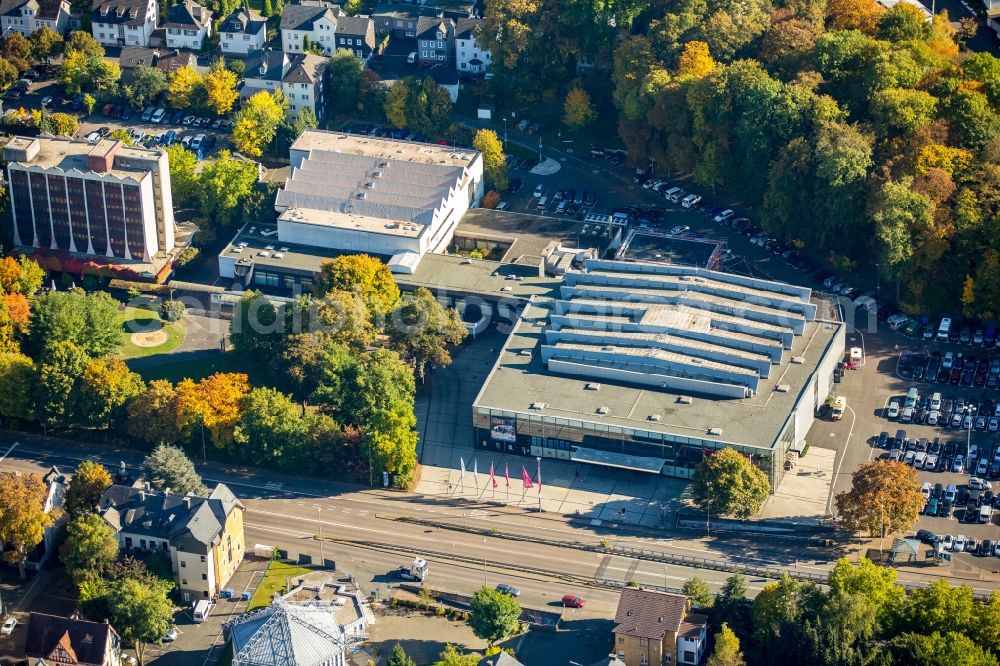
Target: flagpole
{"points": [[506, 476], [461, 461], [539, 459], [475, 474]]}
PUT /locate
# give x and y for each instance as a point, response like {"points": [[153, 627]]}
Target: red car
{"points": [[572, 601]]}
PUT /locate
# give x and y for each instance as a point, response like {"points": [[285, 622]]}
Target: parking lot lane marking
{"points": [[7, 452], [836, 475]]}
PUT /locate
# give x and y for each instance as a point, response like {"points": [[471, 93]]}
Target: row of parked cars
{"points": [[950, 367], [931, 455], [941, 500], [960, 544], [934, 410]]}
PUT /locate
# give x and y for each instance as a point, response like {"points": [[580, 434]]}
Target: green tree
{"points": [[985, 625], [359, 273], [494, 160], [902, 216], [902, 110], [450, 656], [903, 22], [105, 388], [940, 607], [91, 546], [152, 415], [343, 81], [141, 611], [167, 467], [938, 649], [16, 49], [884, 498], [23, 519], [122, 135], [341, 316], [494, 615], [105, 76], [75, 72], [578, 110], [224, 185], [272, 430], [8, 74], [89, 102], [875, 583], [973, 120], [85, 43], [257, 122], [421, 330], [46, 43], [147, 84], [398, 657], [58, 386], [842, 634], [255, 329], [396, 101], [184, 180], [697, 589], [727, 649], [89, 321], [18, 378], [727, 483], [89, 482]]}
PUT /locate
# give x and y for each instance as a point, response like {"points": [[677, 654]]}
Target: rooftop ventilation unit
{"points": [[524, 352], [369, 185], [268, 247], [359, 195], [383, 165], [282, 249], [277, 255], [376, 174], [782, 388], [603, 411], [655, 418], [715, 432], [798, 360], [592, 386], [538, 405], [684, 399], [608, 348]]}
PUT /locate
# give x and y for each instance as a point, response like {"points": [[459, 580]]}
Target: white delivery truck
{"points": [[202, 609], [416, 571]]}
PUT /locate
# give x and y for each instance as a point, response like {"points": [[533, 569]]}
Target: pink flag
{"points": [[525, 478], [506, 474], [492, 478]]}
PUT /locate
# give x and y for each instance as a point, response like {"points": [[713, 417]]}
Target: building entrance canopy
{"points": [[619, 460]]}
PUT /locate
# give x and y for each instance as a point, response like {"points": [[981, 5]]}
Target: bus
{"points": [[839, 407]]}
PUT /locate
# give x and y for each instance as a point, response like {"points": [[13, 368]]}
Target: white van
{"points": [[985, 513], [202, 609], [673, 194], [944, 328]]}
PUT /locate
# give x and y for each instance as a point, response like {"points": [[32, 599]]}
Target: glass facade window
{"points": [[115, 208], [132, 197], [20, 197], [266, 279], [94, 190], [40, 200], [59, 211], [77, 213]]}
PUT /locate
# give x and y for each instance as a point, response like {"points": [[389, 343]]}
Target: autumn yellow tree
{"points": [[364, 275], [696, 60], [23, 519], [860, 15], [89, 482], [18, 311], [494, 160], [152, 415], [212, 403], [106, 387], [258, 121], [968, 295], [954, 161], [220, 87], [884, 498], [578, 111], [181, 84]]}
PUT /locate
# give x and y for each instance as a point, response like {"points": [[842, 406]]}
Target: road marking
{"points": [[7, 452], [847, 445], [274, 485]]}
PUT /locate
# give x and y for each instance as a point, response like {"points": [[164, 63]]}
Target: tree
{"points": [[727, 649], [494, 160], [224, 185], [884, 498], [258, 122], [255, 328], [939, 607], [361, 274], [903, 22], [89, 102], [696, 60], [938, 649], [902, 110], [122, 135], [89, 482], [862, 15], [343, 81], [147, 84], [59, 378], [152, 415], [697, 589], [105, 76], [293, 127], [875, 583], [450, 656], [106, 387], [61, 124], [902, 216], [91, 546], [141, 611], [973, 120], [272, 430], [16, 49], [398, 657], [83, 42], [8, 74], [421, 105], [184, 181], [212, 403], [172, 310], [421, 330], [167, 467], [23, 519], [341, 316], [494, 615], [18, 378], [220, 87], [75, 72], [89, 321], [726, 483], [396, 101], [181, 85], [46, 43], [578, 111]]}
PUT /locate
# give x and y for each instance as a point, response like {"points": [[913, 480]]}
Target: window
{"points": [[202, 558], [643, 659], [621, 639], [440, 45], [643, 642], [142, 544], [184, 564], [184, 581], [423, 54], [358, 53], [689, 656], [204, 576]]}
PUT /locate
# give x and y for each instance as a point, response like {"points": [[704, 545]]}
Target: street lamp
{"points": [[505, 132], [319, 511], [708, 510]]}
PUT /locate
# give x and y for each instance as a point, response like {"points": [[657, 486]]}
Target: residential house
{"points": [[188, 25], [446, 77], [134, 57], [27, 16], [311, 21], [655, 628], [470, 57], [453, 9], [55, 482], [241, 32], [399, 20], [299, 76], [168, 61], [203, 536], [435, 39], [356, 34], [52, 639], [499, 659], [124, 22]]}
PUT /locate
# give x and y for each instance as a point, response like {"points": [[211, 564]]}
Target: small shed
{"points": [[904, 550], [485, 112]]}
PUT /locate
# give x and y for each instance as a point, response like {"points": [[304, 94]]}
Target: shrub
{"points": [[491, 199], [171, 310], [186, 256]]}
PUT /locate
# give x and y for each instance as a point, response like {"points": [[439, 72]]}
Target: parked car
{"points": [[8, 626], [158, 116], [508, 589], [147, 114]]}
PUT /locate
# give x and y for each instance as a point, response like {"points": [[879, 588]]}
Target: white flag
{"points": [[475, 471], [461, 479]]}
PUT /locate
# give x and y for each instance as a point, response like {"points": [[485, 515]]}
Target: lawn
{"points": [[275, 579], [139, 319], [197, 368]]}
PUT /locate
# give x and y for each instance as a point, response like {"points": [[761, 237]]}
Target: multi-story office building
{"points": [[105, 200]]}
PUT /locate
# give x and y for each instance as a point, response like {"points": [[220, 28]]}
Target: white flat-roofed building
{"points": [[360, 194], [105, 200]]}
